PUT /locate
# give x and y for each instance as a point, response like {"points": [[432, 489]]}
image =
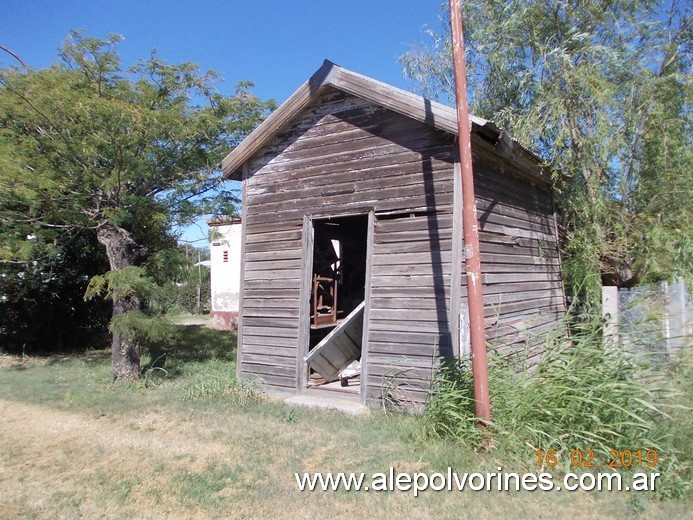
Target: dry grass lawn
{"points": [[74, 445]]}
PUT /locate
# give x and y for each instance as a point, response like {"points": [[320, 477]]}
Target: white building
{"points": [[225, 258]]}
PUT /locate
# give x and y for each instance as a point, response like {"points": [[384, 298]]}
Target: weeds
{"points": [[238, 392], [394, 397], [579, 396], [291, 416]]}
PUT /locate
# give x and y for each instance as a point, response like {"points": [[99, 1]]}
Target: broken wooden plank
{"points": [[339, 348]]}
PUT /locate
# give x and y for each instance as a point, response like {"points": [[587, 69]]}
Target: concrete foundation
{"points": [[347, 406], [223, 320]]}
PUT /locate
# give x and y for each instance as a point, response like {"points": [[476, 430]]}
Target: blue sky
{"points": [[276, 44]]}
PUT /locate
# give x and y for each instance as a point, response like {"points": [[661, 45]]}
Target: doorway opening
{"points": [[337, 304]]}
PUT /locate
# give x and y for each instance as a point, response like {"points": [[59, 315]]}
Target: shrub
{"points": [[579, 396]]}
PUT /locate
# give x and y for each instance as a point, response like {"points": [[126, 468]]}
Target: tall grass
{"points": [[579, 396], [216, 379], [238, 392]]}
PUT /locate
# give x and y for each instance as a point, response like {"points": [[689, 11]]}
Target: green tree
{"points": [[129, 154], [188, 288], [601, 90], [42, 307]]}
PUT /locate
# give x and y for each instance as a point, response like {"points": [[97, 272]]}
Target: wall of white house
{"points": [[225, 257]]}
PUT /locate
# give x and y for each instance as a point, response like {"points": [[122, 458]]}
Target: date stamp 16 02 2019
{"points": [[586, 458]]}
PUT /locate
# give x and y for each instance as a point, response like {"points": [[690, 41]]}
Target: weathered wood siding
{"points": [[520, 261], [343, 156], [410, 301]]}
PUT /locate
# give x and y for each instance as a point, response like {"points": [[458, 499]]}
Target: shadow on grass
{"points": [[91, 357], [195, 348], [194, 345], [199, 343]]}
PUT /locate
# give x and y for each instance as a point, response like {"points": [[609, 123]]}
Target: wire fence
{"points": [[654, 319]]}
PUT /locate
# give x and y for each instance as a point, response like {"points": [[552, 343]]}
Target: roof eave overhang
{"points": [[410, 105]]}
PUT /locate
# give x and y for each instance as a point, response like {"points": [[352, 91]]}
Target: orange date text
{"points": [[586, 458]]}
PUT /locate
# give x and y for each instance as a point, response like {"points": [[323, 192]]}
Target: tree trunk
{"points": [[122, 252], [125, 353]]}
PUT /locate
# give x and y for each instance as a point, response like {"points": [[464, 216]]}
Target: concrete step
{"points": [[346, 406]]}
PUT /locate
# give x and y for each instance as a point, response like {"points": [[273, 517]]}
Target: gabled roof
{"points": [[410, 105]]}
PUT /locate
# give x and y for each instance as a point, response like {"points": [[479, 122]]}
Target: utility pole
{"points": [[475, 298], [199, 283]]}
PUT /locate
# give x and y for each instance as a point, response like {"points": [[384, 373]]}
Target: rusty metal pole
{"points": [[470, 224]]}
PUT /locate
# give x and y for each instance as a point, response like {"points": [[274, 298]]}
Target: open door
{"points": [[340, 348], [337, 294]]}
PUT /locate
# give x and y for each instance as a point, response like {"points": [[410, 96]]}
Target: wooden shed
{"points": [[352, 241]]}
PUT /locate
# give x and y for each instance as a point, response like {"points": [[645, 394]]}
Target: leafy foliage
{"points": [[144, 327], [89, 142], [129, 281], [148, 326], [186, 287], [42, 308], [602, 92], [128, 154]]}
